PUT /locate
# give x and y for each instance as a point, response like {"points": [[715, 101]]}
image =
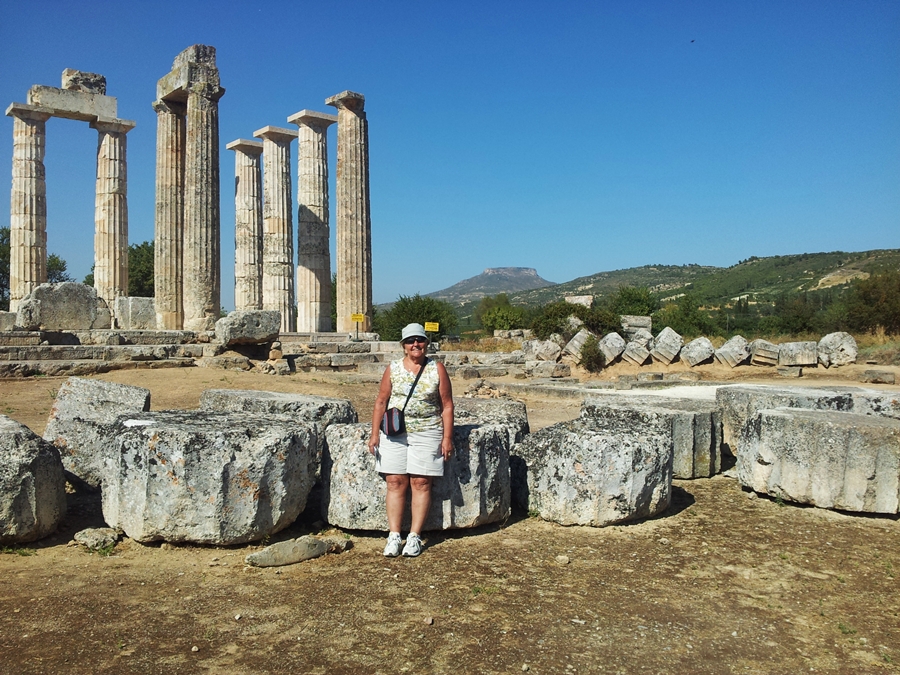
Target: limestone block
{"points": [[828, 459], [354, 347], [507, 413], [312, 361], [837, 349], [666, 345], [65, 306], [473, 491], [798, 354], [550, 369], [581, 473], [72, 104], [631, 324], [696, 428], [457, 359], [32, 486], [352, 359], [573, 346], [541, 350], [789, 371], [135, 313], [612, 345], [641, 336], [763, 353], [81, 419], [79, 80], [496, 358], [697, 351], [876, 401], [734, 352], [878, 377], [635, 354], [246, 327], [7, 321], [207, 477]]}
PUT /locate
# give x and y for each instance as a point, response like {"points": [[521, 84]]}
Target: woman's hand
{"points": [[446, 448], [373, 441]]}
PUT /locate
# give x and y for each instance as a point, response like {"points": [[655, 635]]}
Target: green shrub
{"points": [[414, 309], [553, 318], [592, 359]]}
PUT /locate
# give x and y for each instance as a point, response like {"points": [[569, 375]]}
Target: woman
{"points": [[413, 458]]}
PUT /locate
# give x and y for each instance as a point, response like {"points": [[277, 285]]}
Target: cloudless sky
{"points": [[572, 137]]}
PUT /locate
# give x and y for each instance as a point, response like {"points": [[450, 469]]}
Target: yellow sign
{"points": [[357, 318], [432, 326]]}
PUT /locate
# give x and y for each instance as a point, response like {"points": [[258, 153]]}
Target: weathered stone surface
{"points": [[789, 371], [135, 313], [72, 104], [79, 80], [824, 458], [635, 354], [248, 327], [547, 369], [81, 420], [473, 491], [878, 377], [631, 324], [296, 550], [32, 487], [612, 345], [696, 428], [583, 472], [541, 350], [64, 306], [734, 352], [876, 401], [763, 353], [666, 345], [507, 413], [642, 336], [697, 351], [798, 354], [573, 346], [207, 477], [837, 349], [97, 538], [7, 321], [496, 358]]}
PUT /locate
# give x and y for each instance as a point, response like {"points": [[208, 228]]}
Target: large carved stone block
{"points": [[697, 351], [798, 354], [666, 346], [541, 350], [734, 352], [135, 313], [247, 327], [65, 306], [32, 487], [612, 345], [837, 349], [763, 353]]}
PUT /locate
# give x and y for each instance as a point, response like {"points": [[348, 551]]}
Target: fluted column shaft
{"points": [[354, 226], [202, 225], [111, 211], [248, 224], [278, 230], [313, 232], [28, 204], [168, 251]]}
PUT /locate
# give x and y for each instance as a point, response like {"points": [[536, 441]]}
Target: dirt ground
{"points": [[723, 582]]}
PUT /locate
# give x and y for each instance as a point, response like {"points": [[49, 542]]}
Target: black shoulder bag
{"points": [[393, 422]]}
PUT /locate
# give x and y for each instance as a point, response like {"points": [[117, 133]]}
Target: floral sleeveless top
{"points": [[423, 411]]}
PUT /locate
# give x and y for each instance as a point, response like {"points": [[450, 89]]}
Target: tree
{"points": [[414, 309], [635, 300], [503, 318], [140, 270], [56, 270], [685, 318], [875, 302], [488, 303]]}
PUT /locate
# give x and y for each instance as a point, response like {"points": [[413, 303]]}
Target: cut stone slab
{"points": [[631, 324], [612, 345], [798, 354], [837, 349], [473, 491], [635, 354], [828, 459], [763, 353], [32, 486], [81, 420], [135, 313], [734, 352], [64, 306], [666, 345], [878, 377], [583, 473], [207, 477], [248, 327], [573, 347], [296, 550], [547, 369], [697, 351], [695, 431], [541, 350], [507, 413]]}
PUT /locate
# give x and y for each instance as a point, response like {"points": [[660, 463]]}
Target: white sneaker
{"points": [[413, 546], [392, 547]]}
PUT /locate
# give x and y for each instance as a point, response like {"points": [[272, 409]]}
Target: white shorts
{"points": [[417, 453]]}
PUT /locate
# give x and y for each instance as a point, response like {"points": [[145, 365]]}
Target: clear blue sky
{"points": [[572, 137]]}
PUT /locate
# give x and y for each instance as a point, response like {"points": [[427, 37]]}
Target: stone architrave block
{"points": [[65, 306], [7, 321], [135, 313], [541, 350], [635, 354], [734, 352], [631, 324], [550, 369], [73, 104], [696, 428], [473, 491], [573, 346], [81, 420], [798, 354], [612, 345], [207, 477], [32, 486], [666, 346], [584, 473], [834, 460], [763, 353], [248, 327], [837, 349], [697, 351]]}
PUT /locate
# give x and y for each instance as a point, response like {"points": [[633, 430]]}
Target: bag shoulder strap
{"points": [[415, 382]]}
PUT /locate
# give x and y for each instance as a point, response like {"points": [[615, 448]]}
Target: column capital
{"points": [[277, 134], [246, 146], [347, 100], [169, 107], [24, 111], [113, 125], [311, 118]]}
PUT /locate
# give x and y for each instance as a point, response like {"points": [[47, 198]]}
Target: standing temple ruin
{"points": [[248, 224]]}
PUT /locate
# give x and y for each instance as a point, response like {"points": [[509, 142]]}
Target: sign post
{"points": [[432, 327], [358, 319]]}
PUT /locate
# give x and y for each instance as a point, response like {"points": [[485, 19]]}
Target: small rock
{"points": [[525, 667], [429, 620], [562, 559], [663, 541], [237, 617], [195, 648]]}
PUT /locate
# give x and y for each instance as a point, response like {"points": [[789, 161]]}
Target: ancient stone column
{"points": [[278, 231], [354, 225], [111, 210], [248, 224], [313, 234], [28, 203], [169, 224]]}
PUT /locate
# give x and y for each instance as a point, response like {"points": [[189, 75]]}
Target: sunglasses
{"points": [[415, 340]]}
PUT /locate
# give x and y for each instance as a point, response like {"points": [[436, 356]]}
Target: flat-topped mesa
{"points": [[194, 68]]}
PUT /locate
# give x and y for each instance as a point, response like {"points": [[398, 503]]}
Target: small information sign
{"points": [[432, 326], [357, 318]]}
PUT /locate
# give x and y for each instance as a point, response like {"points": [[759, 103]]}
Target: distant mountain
{"points": [[492, 281]]}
